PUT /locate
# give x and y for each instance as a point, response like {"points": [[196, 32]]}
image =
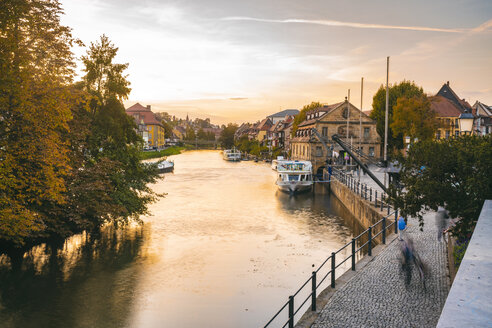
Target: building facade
{"points": [[149, 128], [329, 120]]}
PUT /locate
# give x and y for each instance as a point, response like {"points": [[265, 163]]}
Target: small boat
{"points": [[232, 155], [294, 176], [165, 166], [276, 161]]}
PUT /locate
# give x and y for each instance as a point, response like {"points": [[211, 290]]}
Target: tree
{"points": [[302, 115], [414, 117], [227, 136], [36, 68], [454, 173], [190, 133], [403, 89]]}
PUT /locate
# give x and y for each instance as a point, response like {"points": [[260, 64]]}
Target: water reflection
{"points": [[87, 283], [224, 248]]}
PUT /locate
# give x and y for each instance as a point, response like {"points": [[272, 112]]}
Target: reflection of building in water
{"points": [[329, 120], [89, 282]]}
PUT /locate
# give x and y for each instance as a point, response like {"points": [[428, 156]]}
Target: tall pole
{"points": [[386, 117], [360, 116], [348, 113]]}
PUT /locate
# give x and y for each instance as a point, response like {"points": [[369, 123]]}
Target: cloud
{"points": [[348, 24], [238, 98], [483, 27]]}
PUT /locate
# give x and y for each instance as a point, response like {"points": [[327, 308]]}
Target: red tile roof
{"points": [[140, 113], [444, 107], [265, 124]]}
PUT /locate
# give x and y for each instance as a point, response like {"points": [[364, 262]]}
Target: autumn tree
{"points": [[302, 115], [453, 173], [403, 89], [413, 117], [36, 69]]}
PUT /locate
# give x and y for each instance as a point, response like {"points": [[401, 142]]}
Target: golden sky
{"points": [[242, 60]]}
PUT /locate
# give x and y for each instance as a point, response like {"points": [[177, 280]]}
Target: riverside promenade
{"points": [[376, 296]]}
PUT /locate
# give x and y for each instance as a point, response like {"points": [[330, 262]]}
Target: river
{"points": [[223, 248]]}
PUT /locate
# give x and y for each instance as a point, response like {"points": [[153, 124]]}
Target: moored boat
{"points": [[232, 155], [276, 161], [165, 166], [294, 176]]}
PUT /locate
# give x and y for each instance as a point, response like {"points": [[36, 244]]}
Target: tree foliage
{"points": [[414, 117], [403, 89], [36, 68], [68, 153], [226, 138], [302, 115], [454, 173]]}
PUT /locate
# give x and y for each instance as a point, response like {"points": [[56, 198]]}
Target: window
{"points": [[324, 132], [447, 134], [457, 133], [366, 133], [438, 135], [371, 151], [345, 113]]}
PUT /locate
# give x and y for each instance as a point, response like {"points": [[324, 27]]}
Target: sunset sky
{"points": [[237, 61]]}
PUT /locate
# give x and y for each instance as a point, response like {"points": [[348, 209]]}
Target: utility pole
{"points": [[386, 119]]}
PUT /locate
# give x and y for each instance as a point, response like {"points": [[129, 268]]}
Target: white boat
{"points": [[232, 155], [165, 166], [294, 176], [276, 161]]}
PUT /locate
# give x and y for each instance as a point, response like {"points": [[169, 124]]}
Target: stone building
{"points": [[329, 120]]}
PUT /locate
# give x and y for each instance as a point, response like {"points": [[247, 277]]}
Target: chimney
{"points": [[447, 83], [148, 107]]}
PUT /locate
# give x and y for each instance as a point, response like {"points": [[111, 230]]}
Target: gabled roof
{"points": [[265, 124], [445, 107], [325, 108], [141, 113], [448, 93], [292, 112], [482, 109], [277, 126]]}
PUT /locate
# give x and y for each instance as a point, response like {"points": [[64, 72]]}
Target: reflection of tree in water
{"points": [[90, 282]]}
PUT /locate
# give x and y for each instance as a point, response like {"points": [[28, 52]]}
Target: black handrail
{"points": [[314, 286]]}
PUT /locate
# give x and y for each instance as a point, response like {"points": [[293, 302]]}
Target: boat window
{"points": [[293, 178]]}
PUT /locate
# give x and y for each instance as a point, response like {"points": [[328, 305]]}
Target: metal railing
{"points": [[380, 199], [361, 244]]}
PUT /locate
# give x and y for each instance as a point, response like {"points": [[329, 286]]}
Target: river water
{"points": [[223, 248]]}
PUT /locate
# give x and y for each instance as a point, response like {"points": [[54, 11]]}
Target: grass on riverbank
{"points": [[174, 150]]}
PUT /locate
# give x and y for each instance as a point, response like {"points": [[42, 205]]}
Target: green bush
{"points": [[458, 252]]}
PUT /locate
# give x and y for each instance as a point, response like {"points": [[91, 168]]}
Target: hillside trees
{"points": [[226, 138]]}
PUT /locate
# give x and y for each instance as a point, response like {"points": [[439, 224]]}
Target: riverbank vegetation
{"points": [[173, 150], [69, 153]]}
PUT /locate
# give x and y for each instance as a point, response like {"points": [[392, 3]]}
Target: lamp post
{"points": [[465, 121]]}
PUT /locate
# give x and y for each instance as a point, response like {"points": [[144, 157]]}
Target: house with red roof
{"points": [[448, 107], [149, 128]]}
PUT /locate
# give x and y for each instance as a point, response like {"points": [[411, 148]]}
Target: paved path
{"points": [[377, 295]]}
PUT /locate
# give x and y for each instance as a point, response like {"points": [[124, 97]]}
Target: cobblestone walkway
{"points": [[377, 295]]}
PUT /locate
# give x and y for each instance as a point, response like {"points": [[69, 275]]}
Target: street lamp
{"points": [[465, 120]]}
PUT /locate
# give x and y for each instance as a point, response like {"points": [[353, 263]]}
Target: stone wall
{"points": [[361, 209]]}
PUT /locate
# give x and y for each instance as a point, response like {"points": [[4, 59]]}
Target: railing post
{"points": [[376, 198], [389, 208], [313, 288], [370, 194], [384, 230], [382, 202], [369, 244], [353, 254], [396, 221], [291, 311], [333, 270]]}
